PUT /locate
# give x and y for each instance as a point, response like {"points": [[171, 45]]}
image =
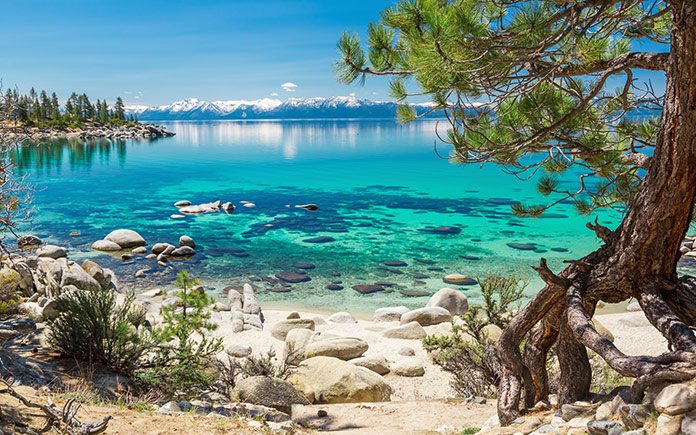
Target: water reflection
{"points": [[50, 157]]}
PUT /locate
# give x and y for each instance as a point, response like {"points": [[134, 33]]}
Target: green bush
{"points": [[469, 353], [92, 326], [173, 359], [182, 363], [228, 372], [10, 293]]}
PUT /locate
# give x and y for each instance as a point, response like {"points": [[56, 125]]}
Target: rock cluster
{"points": [[46, 273], [688, 247], [671, 412], [245, 310], [124, 239], [93, 130], [186, 207]]}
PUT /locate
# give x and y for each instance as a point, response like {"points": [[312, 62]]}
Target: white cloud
{"points": [[352, 94], [274, 94], [289, 86]]}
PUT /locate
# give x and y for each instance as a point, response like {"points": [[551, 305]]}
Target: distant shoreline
{"points": [[89, 130]]}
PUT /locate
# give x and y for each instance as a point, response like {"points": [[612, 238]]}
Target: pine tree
{"points": [[119, 109], [55, 107], [546, 73]]}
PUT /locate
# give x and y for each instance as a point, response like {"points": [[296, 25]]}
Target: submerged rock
{"points": [[522, 246], [293, 277], [458, 279], [368, 288], [320, 239]]}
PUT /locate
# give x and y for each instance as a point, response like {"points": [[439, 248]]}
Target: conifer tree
{"points": [[558, 83], [119, 109]]}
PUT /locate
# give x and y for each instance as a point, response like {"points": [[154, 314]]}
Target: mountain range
{"points": [[268, 108]]}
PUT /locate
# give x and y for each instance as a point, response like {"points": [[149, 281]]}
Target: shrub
{"points": [[10, 294], [468, 353], [229, 371], [182, 362], [92, 326]]}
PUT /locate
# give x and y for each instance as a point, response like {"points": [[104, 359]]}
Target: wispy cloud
{"points": [[274, 94], [289, 86]]}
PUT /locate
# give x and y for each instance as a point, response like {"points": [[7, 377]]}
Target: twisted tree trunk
{"points": [[638, 260]]}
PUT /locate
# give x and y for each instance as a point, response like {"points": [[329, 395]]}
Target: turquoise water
{"points": [[380, 188]]}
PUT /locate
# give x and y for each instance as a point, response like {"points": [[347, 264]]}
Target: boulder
{"points": [[125, 238], [238, 350], [389, 314], [458, 279], [97, 272], [280, 330], [235, 298], [187, 241], [409, 367], [634, 307], [426, 316], [493, 332], [342, 317], [75, 275], [688, 424], [324, 379], [293, 277], [310, 207], [450, 299], [267, 391], [183, 251], [296, 342], [250, 305], [602, 330], [406, 351], [51, 251], [670, 424], [409, 331], [377, 364], [366, 289], [28, 240], [159, 248], [676, 399], [344, 348], [106, 246]]}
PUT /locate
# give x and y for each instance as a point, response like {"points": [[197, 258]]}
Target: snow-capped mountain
{"points": [[268, 108]]}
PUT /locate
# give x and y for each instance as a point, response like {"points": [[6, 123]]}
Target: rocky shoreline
{"points": [[94, 130]]}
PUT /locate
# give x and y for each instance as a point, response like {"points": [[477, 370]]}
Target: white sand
{"points": [[633, 335]]}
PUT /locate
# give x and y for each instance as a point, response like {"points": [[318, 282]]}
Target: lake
{"points": [[381, 189]]}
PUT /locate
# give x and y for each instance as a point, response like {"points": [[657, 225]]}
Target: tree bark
{"points": [[637, 260]]}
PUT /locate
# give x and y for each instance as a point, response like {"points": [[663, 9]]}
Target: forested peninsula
{"points": [[38, 115]]}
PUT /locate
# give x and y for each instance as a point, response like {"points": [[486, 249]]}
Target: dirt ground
{"points": [[16, 418]]}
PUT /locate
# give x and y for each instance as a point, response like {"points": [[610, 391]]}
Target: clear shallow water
{"points": [[379, 186]]}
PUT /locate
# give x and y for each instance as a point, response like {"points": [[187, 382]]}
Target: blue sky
{"points": [[155, 52]]}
